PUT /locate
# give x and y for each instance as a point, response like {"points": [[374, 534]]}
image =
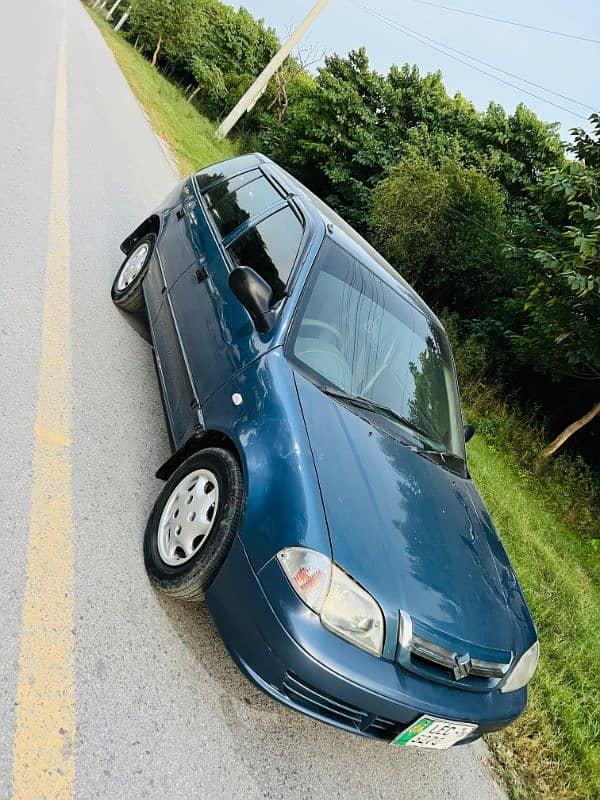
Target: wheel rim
{"points": [[132, 266], [188, 517]]}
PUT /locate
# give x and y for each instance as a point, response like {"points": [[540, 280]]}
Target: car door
{"points": [[250, 224], [177, 245], [175, 251]]}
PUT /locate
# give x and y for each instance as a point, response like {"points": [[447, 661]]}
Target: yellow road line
{"points": [[43, 761]]}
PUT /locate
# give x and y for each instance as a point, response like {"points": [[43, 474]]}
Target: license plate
{"points": [[433, 733]]}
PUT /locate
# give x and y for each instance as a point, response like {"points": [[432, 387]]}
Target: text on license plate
{"points": [[434, 733]]}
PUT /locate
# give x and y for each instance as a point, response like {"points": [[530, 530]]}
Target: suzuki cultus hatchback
{"points": [[318, 495]]}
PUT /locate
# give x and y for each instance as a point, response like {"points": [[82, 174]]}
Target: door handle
{"points": [[188, 206], [201, 274]]}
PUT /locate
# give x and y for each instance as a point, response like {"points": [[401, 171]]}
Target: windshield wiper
{"points": [[443, 454], [371, 405], [379, 408], [445, 458]]}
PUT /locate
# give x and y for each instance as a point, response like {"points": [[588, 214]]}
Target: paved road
{"points": [[157, 708]]}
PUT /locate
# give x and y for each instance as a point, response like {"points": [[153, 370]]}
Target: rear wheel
{"points": [[193, 523], [127, 290]]}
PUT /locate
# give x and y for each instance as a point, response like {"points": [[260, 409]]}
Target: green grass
{"points": [[188, 134], [553, 751]]}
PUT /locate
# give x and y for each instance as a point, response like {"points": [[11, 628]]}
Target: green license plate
{"points": [[433, 733]]}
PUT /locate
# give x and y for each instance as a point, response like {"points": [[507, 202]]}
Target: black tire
{"points": [[190, 580], [131, 297]]}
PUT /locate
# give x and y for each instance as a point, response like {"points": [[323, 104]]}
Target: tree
{"points": [[208, 77], [167, 28], [293, 71], [443, 229], [561, 334], [205, 43], [330, 138], [352, 123], [518, 147]]}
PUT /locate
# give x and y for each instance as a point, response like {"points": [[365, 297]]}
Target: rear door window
{"points": [[235, 201], [270, 248]]}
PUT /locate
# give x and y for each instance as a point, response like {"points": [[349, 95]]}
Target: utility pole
{"points": [[113, 9], [123, 19], [248, 101]]}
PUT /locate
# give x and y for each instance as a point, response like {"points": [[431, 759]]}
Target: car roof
{"points": [[337, 228], [347, 237]]}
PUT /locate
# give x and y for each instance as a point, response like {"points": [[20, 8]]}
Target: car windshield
{"points": [[359, 336]]}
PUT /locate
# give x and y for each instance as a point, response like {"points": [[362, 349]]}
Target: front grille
{"points": [[339, 713], [450, 660], [422, 651], [382, 728]]}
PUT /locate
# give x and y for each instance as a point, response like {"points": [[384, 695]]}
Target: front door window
{"points": [[270, 248]]}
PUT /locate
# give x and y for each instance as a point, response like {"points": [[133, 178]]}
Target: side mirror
{"points": [[254, 293], [469, 431]]}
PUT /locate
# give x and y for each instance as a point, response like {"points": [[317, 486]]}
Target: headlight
{"points": [[345, 608], [522, 673], [352, 613]]}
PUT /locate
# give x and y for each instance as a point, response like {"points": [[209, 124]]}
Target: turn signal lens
{"points": [[308, 572]]}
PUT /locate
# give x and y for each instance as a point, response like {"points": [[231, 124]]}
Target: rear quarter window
{"points": [[235, 201], [225, 170]]}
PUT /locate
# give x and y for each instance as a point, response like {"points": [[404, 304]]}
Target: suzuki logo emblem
{"points": [[462, 667]]}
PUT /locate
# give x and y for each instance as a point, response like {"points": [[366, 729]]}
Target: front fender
{"points": [[284, 506]]}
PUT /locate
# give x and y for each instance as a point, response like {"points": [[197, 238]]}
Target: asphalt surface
{"points": [[160, 709]]}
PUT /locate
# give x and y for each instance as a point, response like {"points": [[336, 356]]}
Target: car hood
{"points": [[415, 535]]}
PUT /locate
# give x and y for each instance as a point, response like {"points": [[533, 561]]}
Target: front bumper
{"points": [[282, 647]]}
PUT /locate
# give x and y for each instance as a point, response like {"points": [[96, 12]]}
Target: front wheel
{"points": [[193, 523], [127, 290]]}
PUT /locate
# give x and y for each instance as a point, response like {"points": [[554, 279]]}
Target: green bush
{"points": [[443, 229], [569, 486]]}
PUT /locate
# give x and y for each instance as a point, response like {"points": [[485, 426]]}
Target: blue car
{"points": [[318, 494]]}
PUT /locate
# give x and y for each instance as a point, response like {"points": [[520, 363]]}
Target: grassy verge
{"points": [[553, 752], [568, 485], [188, 134]]}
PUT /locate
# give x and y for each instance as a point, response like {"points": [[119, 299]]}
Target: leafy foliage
{"points": [[209, 78], [561, 244], [443, 228], [351, 124], [330, 137], [204, 41], [178, 24]]}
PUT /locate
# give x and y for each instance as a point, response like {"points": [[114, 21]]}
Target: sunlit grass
{"points": [[189, 135], [553, 751]]}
